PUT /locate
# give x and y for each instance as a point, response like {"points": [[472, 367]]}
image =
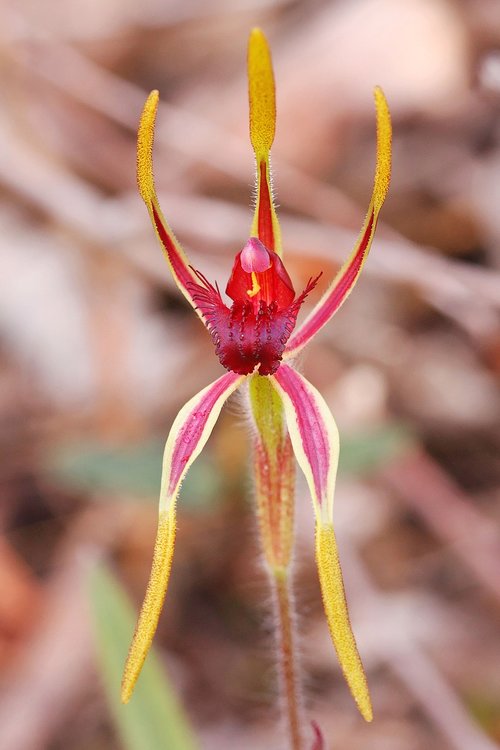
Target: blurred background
{"points": [[98, 351]]}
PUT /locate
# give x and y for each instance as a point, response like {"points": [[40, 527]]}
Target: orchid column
{"points": [[256, 340]]}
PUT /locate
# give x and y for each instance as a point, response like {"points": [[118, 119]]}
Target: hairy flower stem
{"points": [[275, 484], [287, 639]]}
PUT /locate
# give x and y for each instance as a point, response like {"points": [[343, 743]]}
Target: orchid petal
{"points": [[346, 278], [314, 436], [337, 615], [188, 435], [177, 260], [315, 442], [262, 101]]}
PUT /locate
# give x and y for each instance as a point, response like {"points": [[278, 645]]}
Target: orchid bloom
{"points": [[256, 340]]}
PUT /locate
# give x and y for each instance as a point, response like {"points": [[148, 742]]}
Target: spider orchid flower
{"points": [[256, 340]]}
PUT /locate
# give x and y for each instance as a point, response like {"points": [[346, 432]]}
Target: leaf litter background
{"points": [[98, 351]]}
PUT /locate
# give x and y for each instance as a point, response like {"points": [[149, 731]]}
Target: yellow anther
{"points": [[255, 286]]}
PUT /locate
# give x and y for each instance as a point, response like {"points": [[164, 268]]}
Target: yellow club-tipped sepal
{"points": [[179, 264], [262, 102], [344, 282], [337, 615], [145, 137], [153, 601], [261, 93], [384, 141]]}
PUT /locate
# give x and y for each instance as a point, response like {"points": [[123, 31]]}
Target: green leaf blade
{"points": [[153, 720]]}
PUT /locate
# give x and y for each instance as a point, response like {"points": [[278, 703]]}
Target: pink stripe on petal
{"points": [[192, 427], [346, 281], [313, 432], [336, 295], [348, 274], [180, 267]]}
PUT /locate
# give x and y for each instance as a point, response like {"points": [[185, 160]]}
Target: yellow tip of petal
{"points": [[153, 602], [145, 138], [384, 139], [261, 93], [337, 615]]}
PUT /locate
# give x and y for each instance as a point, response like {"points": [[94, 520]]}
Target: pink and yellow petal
{"points": [[346, 278], [314, 436], [177, 260], [188, 435], [315, 442], [262, 101]]}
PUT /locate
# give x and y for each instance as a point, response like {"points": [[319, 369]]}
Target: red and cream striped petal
{"points": [[314, 436], [188, 435], [346, 278], [315, 442], [262, 101], [177, 260]]}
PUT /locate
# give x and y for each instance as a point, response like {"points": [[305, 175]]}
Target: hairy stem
{"points": [[288, 662], [274, 488]]}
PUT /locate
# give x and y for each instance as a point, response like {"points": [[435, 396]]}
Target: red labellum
{"points": [[253, 332]]}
